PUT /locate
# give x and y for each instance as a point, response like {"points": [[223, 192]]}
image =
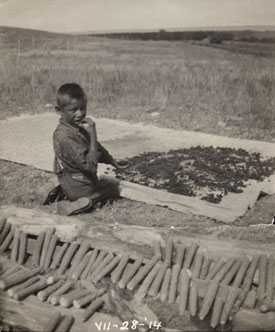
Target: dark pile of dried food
{"points": [[205, 172]]}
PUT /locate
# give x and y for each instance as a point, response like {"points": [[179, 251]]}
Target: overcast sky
{"points": [[88, 15]]}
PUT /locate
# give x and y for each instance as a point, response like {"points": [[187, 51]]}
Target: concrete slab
{"points": [[28, 140]]}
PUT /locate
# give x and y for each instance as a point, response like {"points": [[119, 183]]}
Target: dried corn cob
{"points": [[205, 267], [17, 278], [154, 288], [168, 252], [196, 268], [228, 305], [116, 274], [20, 295], [49, 233], [142, 291], [157, 247], [193, 300], [87, 269], [179, 256], [142, 273], [84, 247], [241, 273], [4, 246], [23, 285], [216, 312], [60, 291], [164, 291], [37, 250], [57, 259], [22, 248], [247, 282], [44, 294], [11, 271], [81, 266], [208, 299], [174, 283], [67, 258], [51, 279], [100, 257], [270, 278], [262, 277], [50, 251], [107, 269], [5, 232], [93, 307], [105, 262], [2, 224], [15, 245], [250, 300], [67, 300], [191, 251], [223, 271], [268, 307], [216, 268], [231, 273], [130, 271], [184, 290]]}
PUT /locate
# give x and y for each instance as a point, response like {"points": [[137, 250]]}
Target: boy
{"points": [[77, 153]]}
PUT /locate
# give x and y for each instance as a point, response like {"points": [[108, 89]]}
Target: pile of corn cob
{"points": [[65, 274]]}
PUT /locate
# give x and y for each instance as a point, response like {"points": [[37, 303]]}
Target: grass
{"points": [[185, 86]]}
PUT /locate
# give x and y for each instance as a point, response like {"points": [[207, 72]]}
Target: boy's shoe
{"points": [[67, 208], [53, 195], [47, 193]]}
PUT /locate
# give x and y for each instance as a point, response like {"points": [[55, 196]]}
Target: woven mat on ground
{"points": [[28, 140]]}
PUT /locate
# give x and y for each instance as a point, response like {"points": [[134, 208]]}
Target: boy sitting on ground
{"points": [[77, 153]]}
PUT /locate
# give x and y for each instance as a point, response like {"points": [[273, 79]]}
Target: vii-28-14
{"points": [[128, 325]]}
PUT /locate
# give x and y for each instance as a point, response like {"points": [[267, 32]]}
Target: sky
{"points": [[101, 15]]}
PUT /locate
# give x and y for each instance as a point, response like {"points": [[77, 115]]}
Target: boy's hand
{"points": [[88, 124], [120, 165]]}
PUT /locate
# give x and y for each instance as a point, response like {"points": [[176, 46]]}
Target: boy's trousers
{"points": [[75, 186]]}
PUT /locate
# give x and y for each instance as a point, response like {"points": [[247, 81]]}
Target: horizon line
{"points": [[186, 28]]}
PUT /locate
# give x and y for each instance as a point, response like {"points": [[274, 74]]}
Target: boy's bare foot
{"points": [[67, 208]]}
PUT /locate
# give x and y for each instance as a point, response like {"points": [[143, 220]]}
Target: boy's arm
{"points": [[104, 156], [92, 154], [97, 153]]}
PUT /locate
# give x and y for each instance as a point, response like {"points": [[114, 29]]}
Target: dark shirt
{"points": [[71, 146]]}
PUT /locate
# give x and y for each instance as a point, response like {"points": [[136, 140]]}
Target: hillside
{"points": [[26, 38]]}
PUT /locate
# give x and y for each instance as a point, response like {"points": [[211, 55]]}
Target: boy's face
{"points": [[74, 112]]}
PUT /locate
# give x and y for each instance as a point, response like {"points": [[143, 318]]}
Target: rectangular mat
{"points": [[28, 140]]}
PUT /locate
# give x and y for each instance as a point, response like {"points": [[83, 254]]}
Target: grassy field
{"points": [[170, 84]]}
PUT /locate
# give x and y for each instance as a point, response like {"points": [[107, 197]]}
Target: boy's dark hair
{"points": [[71, 90]]}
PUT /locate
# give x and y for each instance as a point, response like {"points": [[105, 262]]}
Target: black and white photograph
{"points": [[137, 165]]}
